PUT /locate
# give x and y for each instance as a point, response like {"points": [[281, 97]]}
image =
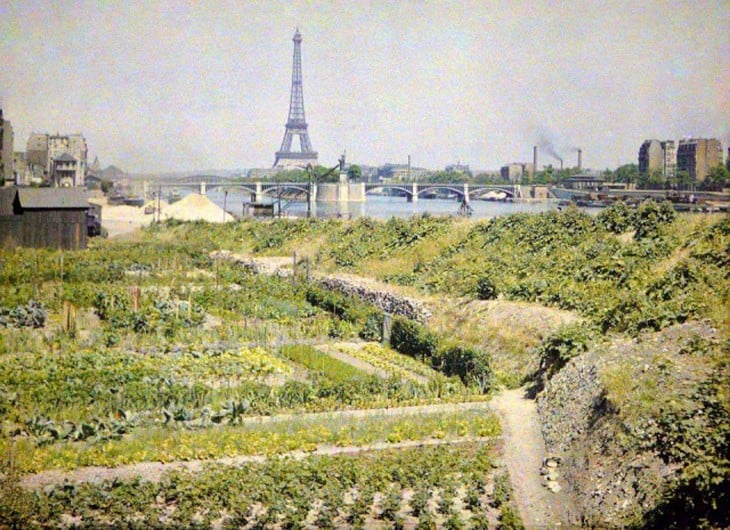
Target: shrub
{"points": [[617, 219], [471, 364], [486, 289], [650, 216], [410, 338], [570, 340]]}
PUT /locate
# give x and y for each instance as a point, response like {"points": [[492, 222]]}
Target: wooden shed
{"points": [[43, 217]]}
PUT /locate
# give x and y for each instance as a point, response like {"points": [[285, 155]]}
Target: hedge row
{"points": [[469, 363]]}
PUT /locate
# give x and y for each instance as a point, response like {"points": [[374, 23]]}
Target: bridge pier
{"points": [[258, 194], [413, 197], [312, 197], [466, 192], [202, 188]]}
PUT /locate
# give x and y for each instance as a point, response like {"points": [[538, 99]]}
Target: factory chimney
{"points": [[534, 160], [580, 159]]}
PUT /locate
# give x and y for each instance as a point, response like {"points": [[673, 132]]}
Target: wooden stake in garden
{"points": [[68, 322], [135, 291], [294, 268]]}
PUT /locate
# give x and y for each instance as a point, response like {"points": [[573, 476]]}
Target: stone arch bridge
{"points": [[412, 191]]}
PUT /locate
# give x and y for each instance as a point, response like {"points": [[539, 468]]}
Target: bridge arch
{"points": [[272, 190], [481, 192], [442, 187], [374, 188], [251, 190]]}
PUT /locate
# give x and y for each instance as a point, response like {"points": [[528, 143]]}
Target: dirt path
{"points": [[523, 452]]}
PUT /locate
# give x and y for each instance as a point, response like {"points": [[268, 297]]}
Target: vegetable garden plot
{"points": [[421, 486]]}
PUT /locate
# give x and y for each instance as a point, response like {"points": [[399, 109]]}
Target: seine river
{"points": [[386, 207]]}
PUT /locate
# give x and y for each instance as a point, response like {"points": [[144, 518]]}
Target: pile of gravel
{"points": [[196, 207]]}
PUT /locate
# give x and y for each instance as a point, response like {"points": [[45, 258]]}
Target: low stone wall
{"points": [[387, 301], [366, 290]]}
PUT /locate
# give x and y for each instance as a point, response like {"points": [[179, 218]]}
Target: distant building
{"points": [[401, 172], [516, 171], [369, 173], [94, 168], [458, 168], [697, 156], [657, 156], [36, 151], [670, 159], [6, 150], [25, 173], [63, 157], [584, 181], [263, 173]]}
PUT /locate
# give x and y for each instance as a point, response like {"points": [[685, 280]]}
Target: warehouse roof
{"points": [[52, 198]]}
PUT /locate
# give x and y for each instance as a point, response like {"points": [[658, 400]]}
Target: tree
{"points": [[652, 179], [628, 174], [354, 172], [718, 176], [684, 177]]}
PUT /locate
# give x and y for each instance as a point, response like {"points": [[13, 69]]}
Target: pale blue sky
{"points": [[162, 86]]}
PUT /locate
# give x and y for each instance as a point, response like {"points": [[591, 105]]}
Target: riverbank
{"points": [[125, 219]]}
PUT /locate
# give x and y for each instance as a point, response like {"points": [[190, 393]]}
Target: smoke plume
{"points": [[545, 143]]}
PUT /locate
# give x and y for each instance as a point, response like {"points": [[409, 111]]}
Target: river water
{"points": [[383, 207]]}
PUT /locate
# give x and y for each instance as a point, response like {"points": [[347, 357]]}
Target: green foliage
{"points": [[718, 176], [502, 499], [486, 289], [567, 342], [321, 363], [695, 436], [365, 318], [651, 217], [617, 219], [470, 363], [283, 488], [367, 238], [153, 315], [411, 338], [17, 504], [354, 172], [273, 235], [467, 362]]}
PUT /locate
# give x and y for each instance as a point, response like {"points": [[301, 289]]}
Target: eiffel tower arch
{"points": [[296, 125]]}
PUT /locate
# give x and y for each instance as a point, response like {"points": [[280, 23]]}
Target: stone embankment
{"points": [[379, 295], [376, 294], [592, 415]]}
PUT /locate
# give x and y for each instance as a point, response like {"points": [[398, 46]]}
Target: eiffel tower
{"points": [[296, 124]]}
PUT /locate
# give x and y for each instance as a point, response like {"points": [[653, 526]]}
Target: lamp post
{"points": [[309, 191]]}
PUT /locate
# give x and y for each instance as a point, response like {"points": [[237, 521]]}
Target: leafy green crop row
{"points": [[327, 492]]}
